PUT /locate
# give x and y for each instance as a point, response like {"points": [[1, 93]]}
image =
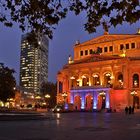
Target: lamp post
{"points": [[134, 94], [64, 95], [47, 96], [102, 93], [38, 101]]}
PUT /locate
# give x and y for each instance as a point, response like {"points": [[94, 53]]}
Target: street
{"points": [[74, 126]]}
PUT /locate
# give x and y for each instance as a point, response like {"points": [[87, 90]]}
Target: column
{"points": [[90, 78], [95, 100], [101, 77], [107, 103], [82, 100], [70, 83], [58, 87], [125, 72], [112, 75], [64, 84], [80, 79], [71, 97]]}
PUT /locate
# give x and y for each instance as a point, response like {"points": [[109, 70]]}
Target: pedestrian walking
{"points": [[130, 110], [126, 110]]}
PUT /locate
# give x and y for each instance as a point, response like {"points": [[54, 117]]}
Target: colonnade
{"points": [[94, 93]]}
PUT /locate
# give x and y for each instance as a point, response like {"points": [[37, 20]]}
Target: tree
{"points": [[7, 83], [44, 15], [51, 89]]}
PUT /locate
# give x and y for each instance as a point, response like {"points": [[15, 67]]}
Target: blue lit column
{"points": [[72, 98], [95, 100], [107, 104], [82, 101]]}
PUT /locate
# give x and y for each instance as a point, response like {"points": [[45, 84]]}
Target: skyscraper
{"points": [[33, 62]]}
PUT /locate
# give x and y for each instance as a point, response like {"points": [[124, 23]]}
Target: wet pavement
{"points": [[74, 126]]}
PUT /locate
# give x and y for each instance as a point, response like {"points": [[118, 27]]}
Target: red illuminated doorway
{"points": [[77, 102], [89, 102], [101, 102]]}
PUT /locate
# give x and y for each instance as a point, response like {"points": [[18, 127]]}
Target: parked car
{"points": [[58, 109]]}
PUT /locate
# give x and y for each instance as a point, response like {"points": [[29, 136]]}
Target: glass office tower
{"points": [[33, 62]]}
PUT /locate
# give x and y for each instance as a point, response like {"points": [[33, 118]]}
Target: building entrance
{"points": [[101, 102], [89, 102], [77, 103]]}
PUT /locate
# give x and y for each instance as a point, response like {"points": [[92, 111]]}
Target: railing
{"points": [[87, 87]]}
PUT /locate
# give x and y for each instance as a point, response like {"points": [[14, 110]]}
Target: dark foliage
{"points": [[7, 83], [51, 89], [44, 15]]}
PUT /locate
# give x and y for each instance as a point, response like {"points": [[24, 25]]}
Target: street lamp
{"points": [[64, 95], [37, 101], [38, 97], [47, 96], [102, 93], [134, 94]]}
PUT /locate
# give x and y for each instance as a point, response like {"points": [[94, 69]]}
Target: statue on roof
{"points": [[105, 27], [70, 59], [77, 42]]}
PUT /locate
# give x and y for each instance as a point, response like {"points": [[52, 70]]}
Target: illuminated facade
{"points": [[33, 63], [104, 73]]}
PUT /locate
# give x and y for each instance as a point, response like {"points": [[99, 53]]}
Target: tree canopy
{"points": [[7, 83], [44, 15], [51, 89]]}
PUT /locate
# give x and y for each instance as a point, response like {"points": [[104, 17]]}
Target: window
{"points": [[86, 52], [90, 51], [135, 81], [101, 50], [81, 53], [96, 79], [105, 49], [132, 45], [111, 48], [121, 47], [127, 46]]}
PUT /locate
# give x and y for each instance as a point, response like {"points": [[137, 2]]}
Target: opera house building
{"points": [[104, 74]]}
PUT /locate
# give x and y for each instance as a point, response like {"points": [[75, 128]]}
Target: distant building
{"points": [[105, 73], [33, 63]]}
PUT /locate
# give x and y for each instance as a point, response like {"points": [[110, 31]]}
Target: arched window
{"points": [[107, 80], [120, 77], [120, 80], [96, 79], [135, 80], [85, 80], [74, 81]]}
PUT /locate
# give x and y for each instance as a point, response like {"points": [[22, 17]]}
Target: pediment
{"points": [[106, 38]]}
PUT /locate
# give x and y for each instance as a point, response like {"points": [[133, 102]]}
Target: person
{"points": [[133, 110], [130, 110], [126, 110]]}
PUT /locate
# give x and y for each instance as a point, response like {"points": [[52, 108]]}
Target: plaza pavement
{"points": [[74, 126]]}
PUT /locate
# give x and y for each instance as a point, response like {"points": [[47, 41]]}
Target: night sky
{"points": [[68, 31]]}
